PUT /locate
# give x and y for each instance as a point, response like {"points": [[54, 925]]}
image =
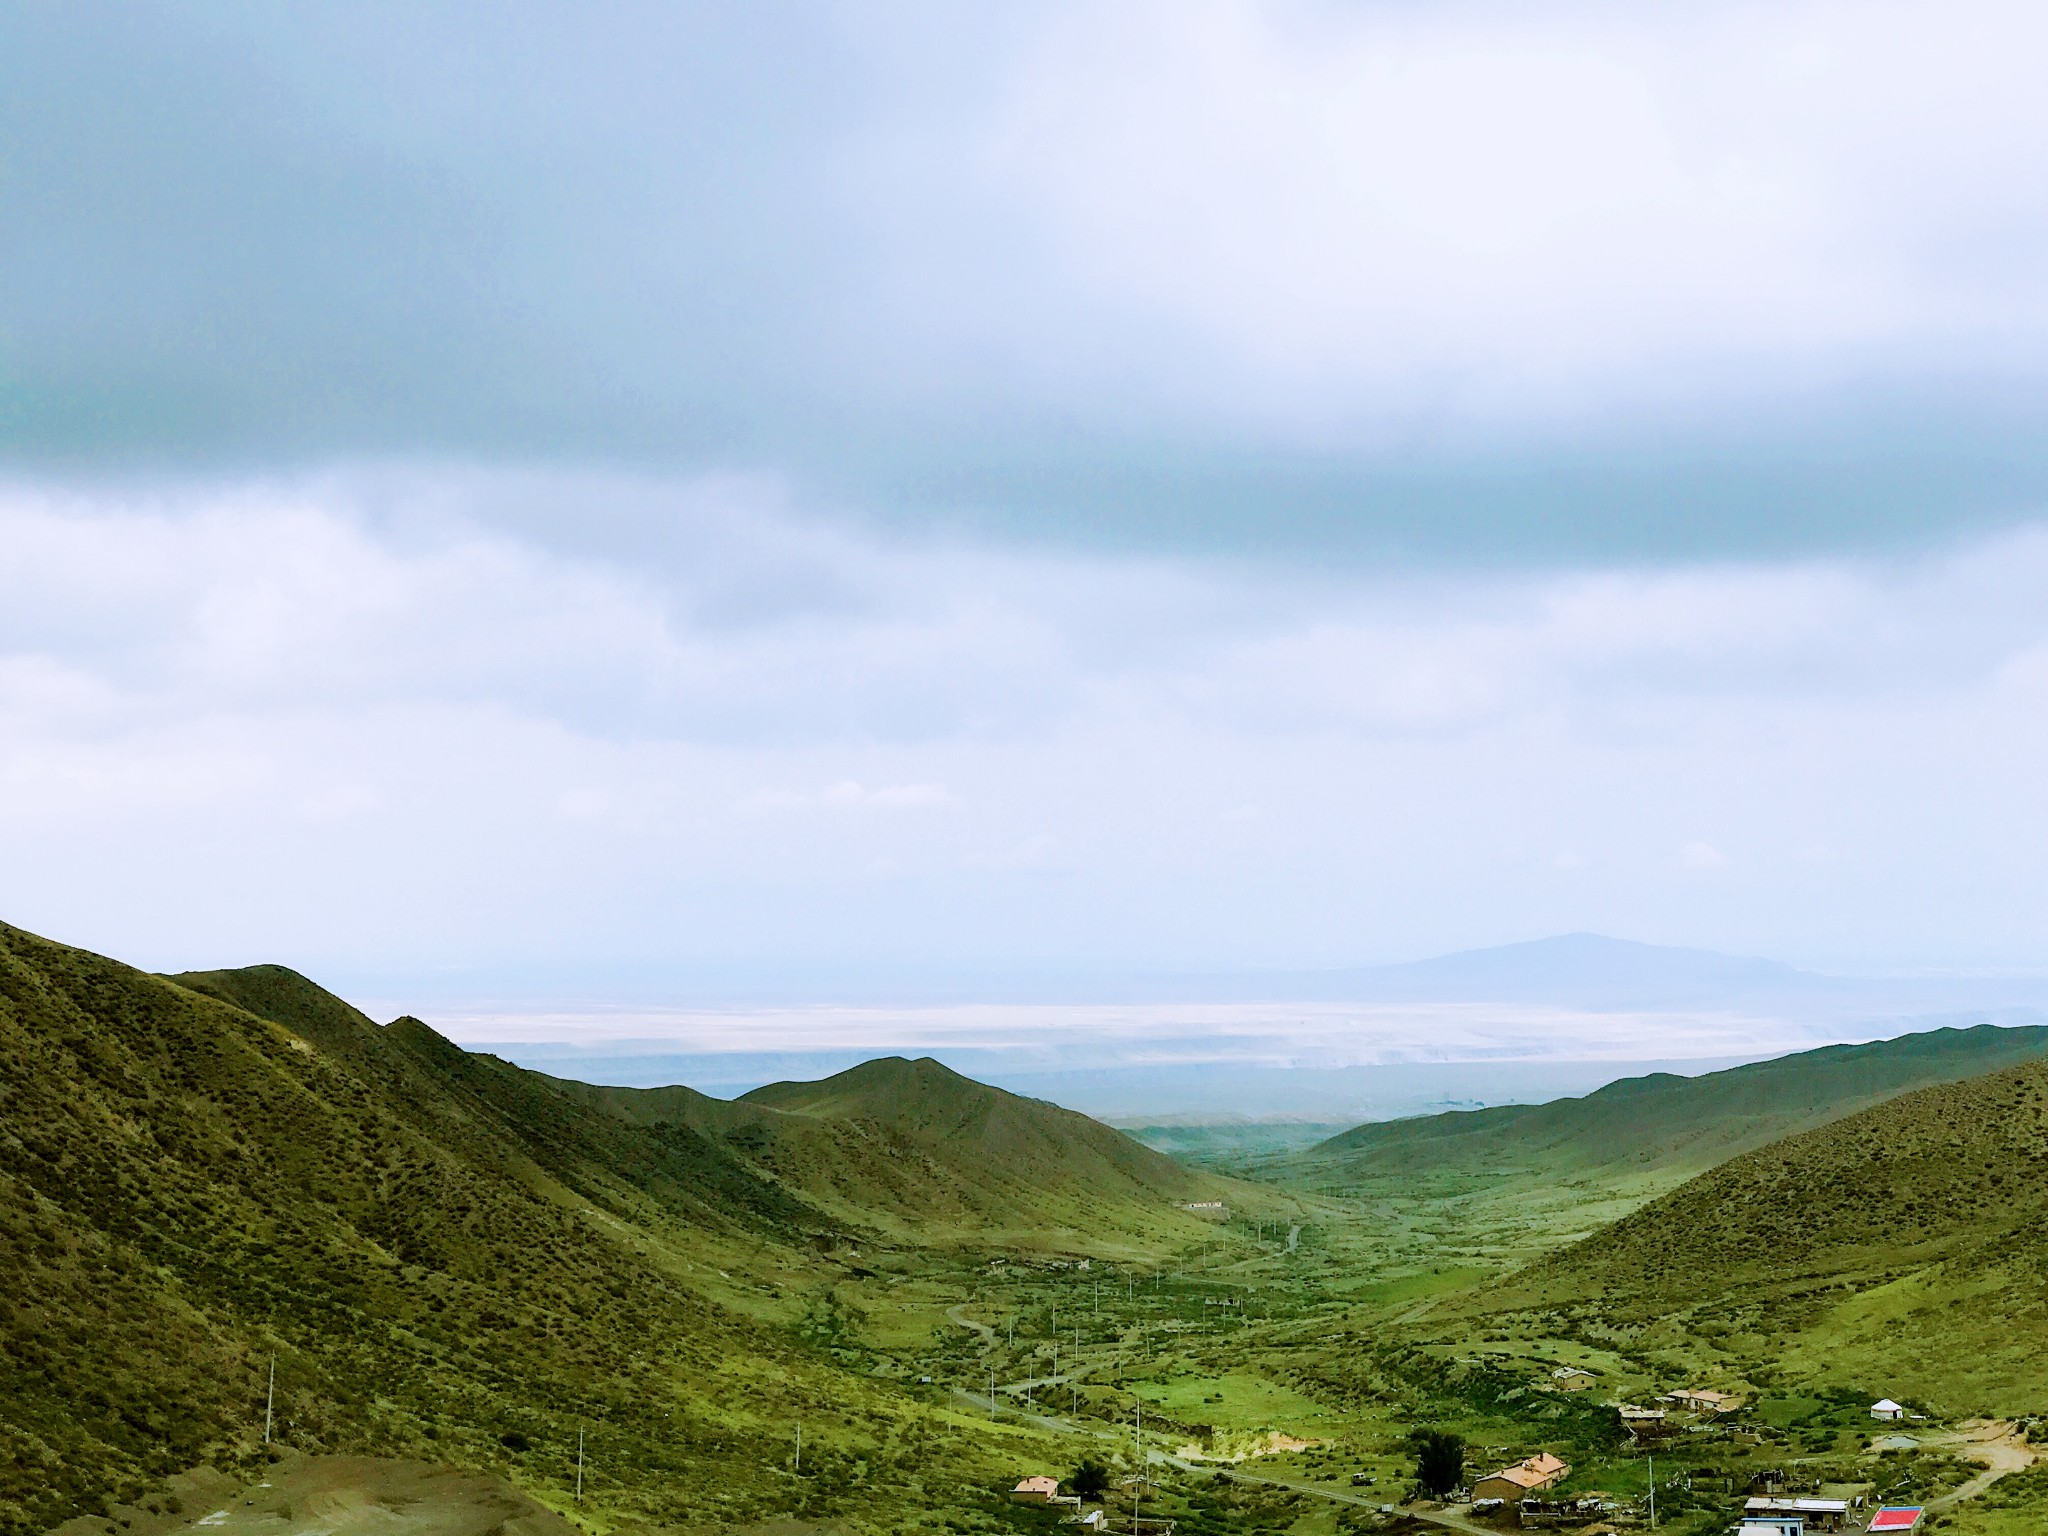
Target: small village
{"points": [[1529, 1492]]}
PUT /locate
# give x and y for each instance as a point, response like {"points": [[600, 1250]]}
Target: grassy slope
{"points": [[441, 1250], [1663, 1124], [1901, 1247], [1005, 1163]]}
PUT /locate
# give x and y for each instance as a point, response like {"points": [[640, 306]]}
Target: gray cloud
{"points": [[1180, 278]]}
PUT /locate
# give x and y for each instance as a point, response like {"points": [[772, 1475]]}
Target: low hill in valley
{"points": [[1009, 1161]]}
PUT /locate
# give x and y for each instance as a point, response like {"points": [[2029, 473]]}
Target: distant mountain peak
{"points": [[1584, 947], [1580, 969]]}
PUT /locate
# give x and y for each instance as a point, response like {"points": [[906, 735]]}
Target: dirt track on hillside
{"points": [[1999, 1445], [958, 1315], [351, 1496]]}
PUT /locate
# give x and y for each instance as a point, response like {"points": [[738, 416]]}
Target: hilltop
{"points": [[1903, 1244], [1652, 1132], [449, 1257]]}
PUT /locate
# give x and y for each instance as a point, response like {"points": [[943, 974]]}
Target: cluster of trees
{"points": [[1439, 1461]]}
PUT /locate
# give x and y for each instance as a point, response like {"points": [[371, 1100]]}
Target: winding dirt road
{"points": [[958, 1315], [1999, 1445]]}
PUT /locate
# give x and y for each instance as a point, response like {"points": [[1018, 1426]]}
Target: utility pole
{"points": [[799, 1450], [579, 1463], [1138, 1488], [1653, 1493], [270, 1397]]}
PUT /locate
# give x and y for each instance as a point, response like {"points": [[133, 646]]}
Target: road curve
{"points": [[955, 1315]]}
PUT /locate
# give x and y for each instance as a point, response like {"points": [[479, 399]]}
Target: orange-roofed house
{"points": [[1036, 1490], [1522, 1479]]}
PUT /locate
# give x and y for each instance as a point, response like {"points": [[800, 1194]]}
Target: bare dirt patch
{"points": [[339, 1496]]}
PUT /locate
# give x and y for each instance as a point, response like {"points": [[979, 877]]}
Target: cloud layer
{"points": [[364, 715], [1464, 282]]}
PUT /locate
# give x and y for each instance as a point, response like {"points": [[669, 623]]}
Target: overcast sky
{"points": [[600, 502]]}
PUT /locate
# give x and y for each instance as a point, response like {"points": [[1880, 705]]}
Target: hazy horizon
{"points": [[1520, 1023]]}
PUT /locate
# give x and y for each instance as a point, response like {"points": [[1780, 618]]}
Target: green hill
{"points": [[283, 996], [1002, 1162], [1653, 1132], [915, 1152], [1903, 1248], [449, 1257]]}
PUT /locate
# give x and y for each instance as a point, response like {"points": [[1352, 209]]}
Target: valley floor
{"points": [[1266, 1378]]}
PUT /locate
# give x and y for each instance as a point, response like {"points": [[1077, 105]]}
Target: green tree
{"points": [[1439, 1461], [1091, 1480]]}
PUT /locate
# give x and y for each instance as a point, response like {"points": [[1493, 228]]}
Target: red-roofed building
{"points": [[1895, 1519]]}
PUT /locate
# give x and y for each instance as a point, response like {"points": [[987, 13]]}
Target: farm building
{"points": [[1632, 1415], [1813, 1514], [1569, 1378], [1522, 1479], [1896, 1518], [1036, 1490], [1885, 1408], [1700, 1400]]}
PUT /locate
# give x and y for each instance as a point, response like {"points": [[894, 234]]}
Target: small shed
{"points": [[1896, 1518], [1569, 1378], [1885, 1408]]}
